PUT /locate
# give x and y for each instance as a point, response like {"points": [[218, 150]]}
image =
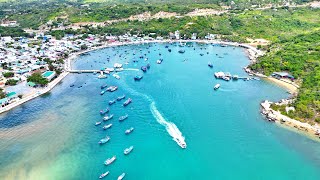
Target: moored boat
{"points": [[122, 118], [98, 123], [127, 102], [121, 97], [112, 88], [210, 64], [116, 76], [107, 126], [138, 78], [102, 92], [128, 150], [217, 86], [112, 102], [110, 160], [103, 175], [159, 61], [103, 86], [128, 131], [144, 68], [121, 176], [104, 140], [102, 112], [181, 51], [106, 118]]}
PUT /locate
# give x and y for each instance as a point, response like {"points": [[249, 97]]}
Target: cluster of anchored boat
{"points": [[107, 117]]}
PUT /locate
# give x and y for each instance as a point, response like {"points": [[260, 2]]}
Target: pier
{"points": [[84, 71]]}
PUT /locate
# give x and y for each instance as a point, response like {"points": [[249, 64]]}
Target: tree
{"points": [[38, 79], [83, 47], [11, 82], [8, 74], [2, 94]]}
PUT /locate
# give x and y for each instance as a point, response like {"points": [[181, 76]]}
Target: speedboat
{"points": [[144, 68], [121, 176], [103, 175], [122, 118], [107, 126], [216, 86], [104, 86], [182, 144], [121, 97], [110, 160], [128, 131], [104, 140], [102, 112], [128, 150], [106, 118], [102, 92], [112, 102], [98, 123], [127, 102], [138, 78], [210, 64]]}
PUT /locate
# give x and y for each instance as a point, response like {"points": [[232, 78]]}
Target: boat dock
{"points": [[83, 71]]}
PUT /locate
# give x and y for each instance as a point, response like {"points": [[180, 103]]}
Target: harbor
{"points": [[71, 118]]}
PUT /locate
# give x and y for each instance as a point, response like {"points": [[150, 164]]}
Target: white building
{"points": [[194, 36], [177, 34]]}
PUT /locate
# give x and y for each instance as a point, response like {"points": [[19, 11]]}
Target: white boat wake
{"points": [[171, 128]]}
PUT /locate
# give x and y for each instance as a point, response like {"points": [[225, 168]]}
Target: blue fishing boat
{"points": [[127, 102], [181, 51], [104, 86], [112, 102], [121, 97], [138, 78], [144, 68], [106, 118]]}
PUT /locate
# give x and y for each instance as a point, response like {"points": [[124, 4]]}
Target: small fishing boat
{"points": [[201, 54], [121, 176], [103, 175], [121, 97], [71, 85], [128, 150], [210, 64], [102, 92], [144, 68], [107, 126], [217, 86], [104, 86], [181, 51], [106, 118], [98, 123], [127, 102], [128, 131], [148, 66], [138, 78], [110, 160], [112, 102], [122, 118], [102, 112], [102, 76], [112, 88], [116, 76], [159, 61], [169, 50], [104, 140]]}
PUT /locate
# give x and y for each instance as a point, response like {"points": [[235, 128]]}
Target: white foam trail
{"points": [[171, 128], [131, 69]]}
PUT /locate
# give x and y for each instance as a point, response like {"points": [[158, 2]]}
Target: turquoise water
{"points": [[54, 137]]}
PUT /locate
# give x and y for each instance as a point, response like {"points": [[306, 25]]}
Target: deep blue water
{"points": [[54, 137]]}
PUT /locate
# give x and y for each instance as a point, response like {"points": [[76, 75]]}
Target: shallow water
{"points": [[54, 137]]}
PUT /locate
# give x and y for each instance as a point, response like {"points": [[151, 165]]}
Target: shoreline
{"points": [[311, 131], [252, 52]]}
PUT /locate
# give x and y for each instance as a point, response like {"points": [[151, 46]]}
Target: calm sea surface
{"points": [[55, 137]]}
